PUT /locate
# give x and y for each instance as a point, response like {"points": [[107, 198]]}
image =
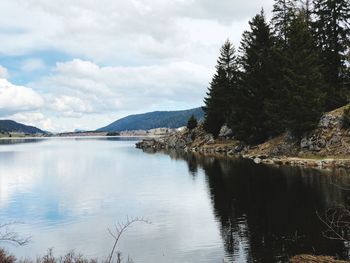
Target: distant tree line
{"points": [[286, 73]]}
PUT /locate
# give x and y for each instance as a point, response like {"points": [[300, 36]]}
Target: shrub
{"points": [[192, 122], [5, 258]]}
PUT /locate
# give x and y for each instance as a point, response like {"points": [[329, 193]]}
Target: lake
{"points": [[67, 192]]}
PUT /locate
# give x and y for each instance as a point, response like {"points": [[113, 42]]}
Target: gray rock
{"points": [[321, 142], [257, 160], [313, 142], [328, 121], [334, 140], [238, 148], [219, 149], [304, 143], [225, 131], [209, 139]]}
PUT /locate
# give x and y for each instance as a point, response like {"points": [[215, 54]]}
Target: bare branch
{"points": [[337, 223], [120, 228], [7, 234], [344, 186]]}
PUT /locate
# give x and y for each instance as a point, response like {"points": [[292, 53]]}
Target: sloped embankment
{"points": [[326, 146]]}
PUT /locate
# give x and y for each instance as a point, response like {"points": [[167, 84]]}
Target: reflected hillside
{"points": [[20, 140]]}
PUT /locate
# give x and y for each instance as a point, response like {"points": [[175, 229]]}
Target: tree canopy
{"points": [[286, 73]]}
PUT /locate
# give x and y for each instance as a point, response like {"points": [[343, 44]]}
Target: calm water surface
{"points": [[67, 192]]}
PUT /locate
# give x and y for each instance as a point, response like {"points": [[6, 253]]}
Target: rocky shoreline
{"points": [[326, 147], [238, 152]]}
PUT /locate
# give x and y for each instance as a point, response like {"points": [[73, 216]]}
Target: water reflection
{"points": [[8, 141], [268, 214], [202, 209], [68, 191]]}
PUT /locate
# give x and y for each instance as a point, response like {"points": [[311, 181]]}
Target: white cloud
{"points": [[3, 72], [31, 65], [36, 119], [15, 98], [82, 87], [70, 106], [135, 55], [108, 30]]}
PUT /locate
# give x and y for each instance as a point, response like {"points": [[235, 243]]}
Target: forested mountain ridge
{"points": [[152, 120], [12, 126]]}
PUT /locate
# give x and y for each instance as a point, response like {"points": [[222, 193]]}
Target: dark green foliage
{"points": [[192, 122], [302, 80], [346, 118], [275, 104], [332, 31], [283, 13], [288, 75], [152, 120], [222, 88], [248, 119], [297, 100], [113, 134], [12, 126], [215, 108]]}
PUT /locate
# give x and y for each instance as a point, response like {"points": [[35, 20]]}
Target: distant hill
{"points": [[12, 126], [152, 120]]}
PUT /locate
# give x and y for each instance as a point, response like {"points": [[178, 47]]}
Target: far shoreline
{"points": [[77, 137]]}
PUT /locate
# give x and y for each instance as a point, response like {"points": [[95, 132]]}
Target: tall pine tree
{"points": [[247, 116], [283, 12], [221, 90], [303, 82], [275, 103], [306, 7], [332, 31], [215, 102]]}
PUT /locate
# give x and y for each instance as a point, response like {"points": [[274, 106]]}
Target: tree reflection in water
{"points": [[266, 213]]}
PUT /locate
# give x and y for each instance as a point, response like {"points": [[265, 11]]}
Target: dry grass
{"points": [[314, 259], [71, 257], [5, 258]]}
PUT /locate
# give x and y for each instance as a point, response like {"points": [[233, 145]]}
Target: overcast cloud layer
{"points": [[82, 64]]}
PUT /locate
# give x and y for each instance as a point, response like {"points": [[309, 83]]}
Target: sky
{"points": [[81, 64]]}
